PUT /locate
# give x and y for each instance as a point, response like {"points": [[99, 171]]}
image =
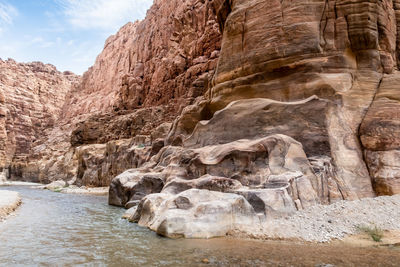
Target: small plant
{"points": [[374, 232]]}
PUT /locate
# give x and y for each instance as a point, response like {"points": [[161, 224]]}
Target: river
{"points": [[54, 229]]}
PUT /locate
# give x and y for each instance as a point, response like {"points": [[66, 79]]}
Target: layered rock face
{"points": [[31, 98], [379, 135], [145, 75], [299, 107], [285, 51], [301, 110], [166, 59]]}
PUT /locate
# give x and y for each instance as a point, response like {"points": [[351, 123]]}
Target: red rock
{"points": [[321, 73], [31, 100]]}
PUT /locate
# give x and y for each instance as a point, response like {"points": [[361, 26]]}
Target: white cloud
{"points": [[7, 14], [104, 14], [40, 42]]}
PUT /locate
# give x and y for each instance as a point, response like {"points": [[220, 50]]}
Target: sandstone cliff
{"points": [[31, 99], [147, 73], [321, 73], [279, 105], [164, 59]]}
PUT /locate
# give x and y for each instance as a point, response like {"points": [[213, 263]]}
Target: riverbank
{"points": [[17, 183], [63, 187], [90, 232], [96, 191], [390, 239], [9, 201], [343, 220], [339, 222]]}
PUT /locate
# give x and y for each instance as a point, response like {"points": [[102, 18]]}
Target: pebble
{"points": [[343, 218]]}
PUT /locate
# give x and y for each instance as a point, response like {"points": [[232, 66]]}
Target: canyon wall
{"points": [[31, 99], [279, 105], [165, 59], [147, 73], [302, 110]]}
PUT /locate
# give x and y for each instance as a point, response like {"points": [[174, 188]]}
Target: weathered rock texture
{"points": [[144, 77], [285, 104], [165, 59], [31, 99], [380, 136], [301, 110]]}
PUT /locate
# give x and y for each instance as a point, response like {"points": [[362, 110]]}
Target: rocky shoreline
{"points": [[338, 223], [324, 223], [66, 188], [219, 125], [320, 223], [9, 201]]}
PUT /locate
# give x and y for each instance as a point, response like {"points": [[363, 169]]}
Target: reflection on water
{"points": [[64, 230]]}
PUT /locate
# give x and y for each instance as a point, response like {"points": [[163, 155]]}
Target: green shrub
{"points": [[374, 232]]}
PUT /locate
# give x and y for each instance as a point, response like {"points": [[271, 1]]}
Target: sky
{"points": [[66, 33]]}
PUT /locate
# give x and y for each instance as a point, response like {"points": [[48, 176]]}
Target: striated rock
{"points": [[131, 186], [145, 75], [296, 87], [160, 60], [305, 121], [196, 214], [380, 136], [335, 50], [207, 181], [270, 202], [276, 106], [272, 173], [103, 128], [31, 100]]}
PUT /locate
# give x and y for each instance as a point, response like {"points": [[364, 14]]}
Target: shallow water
{"points": [[53, 229]]}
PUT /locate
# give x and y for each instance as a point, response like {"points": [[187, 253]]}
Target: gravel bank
{"points": [[16, 183], [9, 201], [100, 191], [325, 223]]}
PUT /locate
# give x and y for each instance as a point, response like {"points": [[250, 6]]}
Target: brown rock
{"points": [[153, 62], [274, 168], [380, 136], [31, 99], [294, 104], [288, 52]]}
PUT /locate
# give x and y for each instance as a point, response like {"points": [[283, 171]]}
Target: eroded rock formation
{"points": [[144, 77], [321, 73], [277, 105], [31, 99], [165, 59]]}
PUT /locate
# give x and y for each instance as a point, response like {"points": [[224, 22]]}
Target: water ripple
{"points": [[53, 229]]}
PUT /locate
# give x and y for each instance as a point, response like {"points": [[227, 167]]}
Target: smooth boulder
{"points": [[197, 213]]}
